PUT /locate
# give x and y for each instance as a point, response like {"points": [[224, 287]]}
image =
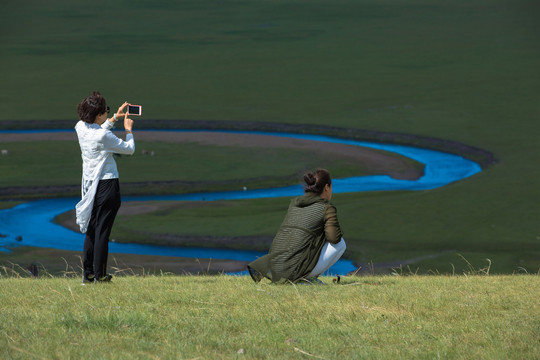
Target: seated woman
{"points": [[309, 240]]}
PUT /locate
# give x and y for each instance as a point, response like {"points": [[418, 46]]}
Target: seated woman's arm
{"points": [[332, 229]]}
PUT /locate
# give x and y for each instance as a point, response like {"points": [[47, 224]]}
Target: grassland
{"points": [[211, 166], [223, 317], [465, 71]]}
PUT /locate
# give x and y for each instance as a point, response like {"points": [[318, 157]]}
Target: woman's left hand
{"points": [[120, 111]]}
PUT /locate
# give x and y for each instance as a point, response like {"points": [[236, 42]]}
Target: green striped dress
{"points": [[310, 222]]}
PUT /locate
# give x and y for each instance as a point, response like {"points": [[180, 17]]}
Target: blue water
{"points": [[33, 220]]}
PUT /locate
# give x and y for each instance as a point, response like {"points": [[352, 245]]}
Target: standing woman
{"points": [[309, 240], [100, 187]]}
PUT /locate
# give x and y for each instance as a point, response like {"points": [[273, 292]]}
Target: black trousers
{"points": [[96, 244]]}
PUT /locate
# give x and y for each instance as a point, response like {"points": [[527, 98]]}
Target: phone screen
{"points": [[134, 110]]}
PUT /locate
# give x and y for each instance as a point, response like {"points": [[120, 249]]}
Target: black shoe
{"points": [[106, 278], [88, 279]]}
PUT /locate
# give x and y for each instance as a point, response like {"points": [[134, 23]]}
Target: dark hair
{"points": [[91, 107], [315, 182]]}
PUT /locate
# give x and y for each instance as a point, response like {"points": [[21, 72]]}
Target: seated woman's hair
{"points": [[92, 106], [315, 182]]}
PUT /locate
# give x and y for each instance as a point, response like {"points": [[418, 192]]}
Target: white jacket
{"points": [[97, 144]]}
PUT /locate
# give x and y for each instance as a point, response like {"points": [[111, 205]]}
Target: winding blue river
{"points": [[33, 220]]}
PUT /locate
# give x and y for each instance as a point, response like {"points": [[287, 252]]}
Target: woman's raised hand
{"points": [[128, 123], [120, 111]]}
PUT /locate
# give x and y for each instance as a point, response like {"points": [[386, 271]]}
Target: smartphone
{"points": [[134, 110]]}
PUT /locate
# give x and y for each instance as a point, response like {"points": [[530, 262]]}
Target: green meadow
{"points": [[465, 71], [188, 162], [225, 317]]}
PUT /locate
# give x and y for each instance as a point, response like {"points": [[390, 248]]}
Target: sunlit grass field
{"points": [[464, 71], [224, 317]]}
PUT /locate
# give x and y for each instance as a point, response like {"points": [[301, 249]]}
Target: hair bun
{"points": [[310, 179], [316, 181]]}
